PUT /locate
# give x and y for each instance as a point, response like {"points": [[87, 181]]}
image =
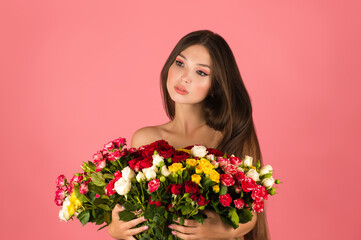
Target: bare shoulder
{"points": [[146, 135]]}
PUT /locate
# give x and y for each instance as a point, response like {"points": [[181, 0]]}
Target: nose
{"points": [[185, 77]]}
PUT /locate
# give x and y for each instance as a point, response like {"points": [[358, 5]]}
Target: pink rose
{"points": [[100, 165], [238, 189], [109, 146], [60, 194], [119, 142], [98, 156], [230, 169], [109, 189], [114, 155], [239, 203], [235, 161], [248, 184], [223, 162], [83, 189], [58, 202], [259, 193], [258, 206], [227, 180], [225, 199], [60, 181], [153, 185]]}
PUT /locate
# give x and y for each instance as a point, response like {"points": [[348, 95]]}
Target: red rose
{"points": [[58, 201], [180, 156], [258, 206], [215, 152], [239, 176], [238, 189], [170, 205], [100, 165], [164, 149], [191, 187], [176, 189], [235, 161], [109, 189], [223, 162], [119, 142], [157, 203], [117, 175], [202, 200], [153, 185], [225, 199], [76, 179], [193, 197], [60, 181], [239, 203], [259, 193], [227, 180], [139, 163], [248, 184]]}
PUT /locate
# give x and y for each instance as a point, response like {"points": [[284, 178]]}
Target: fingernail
{"points": [[170, 226], [145, 227], [173, 232]]}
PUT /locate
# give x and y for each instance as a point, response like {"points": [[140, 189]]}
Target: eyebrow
{"points": [[200, 64]]}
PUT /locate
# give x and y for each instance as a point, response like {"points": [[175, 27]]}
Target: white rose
{"points": [[165, 172], [128, 173], [268, 182], [154, 168], [149, 173], [247, 162], [157, 159], [210, 157], [199, 151], [252, 173], [140, 177], [265, 170], [122, 186], [63, 213]]}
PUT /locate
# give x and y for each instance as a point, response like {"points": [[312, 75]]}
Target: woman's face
{"points": [[189, 76]]}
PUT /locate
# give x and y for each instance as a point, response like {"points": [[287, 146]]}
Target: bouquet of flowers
{"points": [[166, 184]]}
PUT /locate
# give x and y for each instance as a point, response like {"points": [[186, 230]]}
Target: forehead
{"points": [[197, 54]]}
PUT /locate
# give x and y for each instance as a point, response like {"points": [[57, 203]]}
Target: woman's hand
{"points": [[124, 230], [213, 228]]}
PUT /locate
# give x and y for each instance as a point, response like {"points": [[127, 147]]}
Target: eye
{"points": [[179, 63], [202, 73]]}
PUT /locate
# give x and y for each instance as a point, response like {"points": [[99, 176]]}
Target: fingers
{"points": [[183, 229], [189, 223], [135, 222], [118, 208], [135, 231], [184, 236]]}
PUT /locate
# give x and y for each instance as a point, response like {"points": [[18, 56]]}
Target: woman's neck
{"points": [[188, 119]]}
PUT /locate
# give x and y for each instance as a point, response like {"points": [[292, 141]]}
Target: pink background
{"points": [[75, 75]]}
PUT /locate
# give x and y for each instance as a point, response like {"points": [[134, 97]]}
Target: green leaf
{"points": [[126, 215], [187, 209], [223, 190], [98, 179], [207, 183], [199, 218], [80, 196], [234, 216], [96, 189], [108, 176], [84, 217], [149, 214], [129, 206], [245, 216], [105, 207], [181, 221]]}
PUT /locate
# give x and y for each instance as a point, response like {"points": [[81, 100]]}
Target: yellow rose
{"points": [[214, 176], [196, 178], [191, 161], [175, 167], [199, 169], [207, 167], [216, 188], [75, 201], [70, 209]]}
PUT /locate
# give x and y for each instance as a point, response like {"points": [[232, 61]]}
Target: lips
{"points": [[181, 90]]}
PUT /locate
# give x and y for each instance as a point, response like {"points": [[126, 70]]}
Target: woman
{"points": [[207, 103]]}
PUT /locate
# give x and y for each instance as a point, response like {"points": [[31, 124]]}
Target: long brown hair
{"points": [[227, 106]]}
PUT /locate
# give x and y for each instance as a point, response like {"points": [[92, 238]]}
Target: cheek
{"points": [[202, 89]]}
